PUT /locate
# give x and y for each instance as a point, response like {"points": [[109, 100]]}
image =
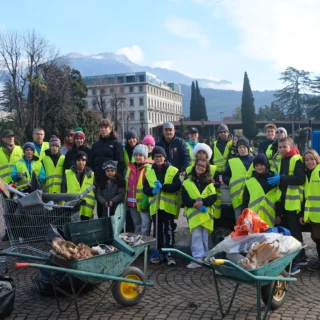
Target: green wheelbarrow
{"points": [[270, 280]]}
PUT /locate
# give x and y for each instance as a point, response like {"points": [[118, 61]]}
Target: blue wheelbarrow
{"points": [[270, 280]]}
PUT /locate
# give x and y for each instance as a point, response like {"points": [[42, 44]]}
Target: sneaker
{"points": [[303, 262], [155, 258], [193, 265], [170, 260], [295, 270]]}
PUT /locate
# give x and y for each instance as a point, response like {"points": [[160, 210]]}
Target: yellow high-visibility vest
{"points": [[220, 160], [53, 174], [73, 186], [194, 216], [45, 146], [192, 160], [36, 166], [6, 165]]}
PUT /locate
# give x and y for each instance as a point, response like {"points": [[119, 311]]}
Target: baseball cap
{"points": [[193, 130], [168, 125]]}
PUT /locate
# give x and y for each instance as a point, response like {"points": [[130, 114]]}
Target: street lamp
{"points": [[221, 115], [122, 121]]}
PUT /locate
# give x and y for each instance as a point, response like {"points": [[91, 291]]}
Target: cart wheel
{"points": [[219, 234], [279, 295], [129, 294]]}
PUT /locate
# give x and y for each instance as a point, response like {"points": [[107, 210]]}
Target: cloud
{"points": [[282, 32], [133, 53], [167, 64], [187, 29]]}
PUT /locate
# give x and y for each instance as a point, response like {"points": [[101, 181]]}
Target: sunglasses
{"points": [[279, 131]]}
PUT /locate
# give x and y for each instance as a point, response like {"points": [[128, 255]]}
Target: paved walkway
{"points": [[178, 293]]}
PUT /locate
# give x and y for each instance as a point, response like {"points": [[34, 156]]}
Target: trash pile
{"points": [[131, 240]]}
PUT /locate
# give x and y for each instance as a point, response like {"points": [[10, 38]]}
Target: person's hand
{"points": [[301, 219], [155, 190], [110, 204], [20, 175], [158, 184], [278, 220], [198, 204], [203, 209], [106, 204], [274, 180]]}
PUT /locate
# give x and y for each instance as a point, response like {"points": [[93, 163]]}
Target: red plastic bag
{"points": [[249, 222]]}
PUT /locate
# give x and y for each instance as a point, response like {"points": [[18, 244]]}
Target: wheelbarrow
{"points": [[270, 280]]}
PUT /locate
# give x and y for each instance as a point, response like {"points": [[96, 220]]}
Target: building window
{"points": [[140, 88], [111, 90], [94, 104], [141, 103], [141, 115], [121, 90], [132, 116], [131, 102], [102, 91], [148, 102], [130, 89], [103, 103], [94, 92]]}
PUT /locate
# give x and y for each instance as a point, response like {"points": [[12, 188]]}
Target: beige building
{"points": [[138, 101]]}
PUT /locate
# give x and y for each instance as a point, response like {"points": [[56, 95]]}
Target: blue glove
{"points": [[274, 180], [155, 190], [158, 184], [203, 209]]}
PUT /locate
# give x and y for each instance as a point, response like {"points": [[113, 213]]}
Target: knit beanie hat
{"points": [[282, 129], [204, 147], [141, 149], [223, 127], [54, 141], [261, 159], [79, 134], [158, 150], [131, 134], [79, 129], [110, 164], [28, 145], [148, 139], [243, 141], [81, 155]]}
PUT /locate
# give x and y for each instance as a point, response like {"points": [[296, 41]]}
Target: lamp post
{"points": [[202, 126], [221, 115], [122, 122]]}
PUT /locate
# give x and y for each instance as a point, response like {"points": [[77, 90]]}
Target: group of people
{"points": [[156, 179]]}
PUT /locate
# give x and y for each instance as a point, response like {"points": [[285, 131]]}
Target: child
{"points": [[198, 196], [290, 178], [163, 179], [23, 169], [135, 177], [148, 141], [238, 169], [312, 192], [258, 195], [113, 191]]}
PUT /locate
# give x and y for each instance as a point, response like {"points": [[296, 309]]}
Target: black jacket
{"points": [[177, 152], [170, 188], [79, 175], [263, 181], [105, 149], [263, 146], [70, 156]]}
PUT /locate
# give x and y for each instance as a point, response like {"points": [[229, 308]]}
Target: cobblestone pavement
{"points": [[178, 293]]}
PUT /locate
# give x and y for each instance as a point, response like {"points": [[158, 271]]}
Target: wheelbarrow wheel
{"points": [[129, 294], [219, 234], [279, 295]]}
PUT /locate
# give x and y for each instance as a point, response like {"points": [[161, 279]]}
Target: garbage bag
{"points": [[7, 295]]}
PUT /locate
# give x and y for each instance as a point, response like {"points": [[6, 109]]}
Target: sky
{"points": [[212, 39]]}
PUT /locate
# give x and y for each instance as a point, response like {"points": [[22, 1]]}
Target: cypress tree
{"points": [[248, 112], [193, 102]]}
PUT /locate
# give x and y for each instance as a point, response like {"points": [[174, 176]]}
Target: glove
{"points": [[158, 184], [155, 190], [203, 209], [274, 180]]}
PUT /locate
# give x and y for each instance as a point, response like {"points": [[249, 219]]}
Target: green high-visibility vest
{"points": [[169, 202], [220, 160], [192, 160], [194, 216], [73, 186], [261, 203], [25, 181], [239, 174], [269, 151], [45, 146], [53, 174], [312, 195], [6, 165], [126, 157]]}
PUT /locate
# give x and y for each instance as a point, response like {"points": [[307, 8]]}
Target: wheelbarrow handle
{"points": [[22, 265]]}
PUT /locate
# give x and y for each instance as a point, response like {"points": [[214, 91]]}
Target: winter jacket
{"points": [[246, 160], [71, 155], [113, 190], [177, 152], [263, 146], [160, 173], [108, 148]]}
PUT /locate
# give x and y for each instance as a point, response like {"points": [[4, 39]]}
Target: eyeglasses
{"points": [[280, 131], [158, 157], [223, 132]]}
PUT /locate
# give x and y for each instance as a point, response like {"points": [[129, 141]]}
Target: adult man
{"points": [[68, 142], [270, 132], [132, 141], [106, 148], [39, 144], [176, 149], [53, 165], [76, 180], [193, 141], [9, 155]]}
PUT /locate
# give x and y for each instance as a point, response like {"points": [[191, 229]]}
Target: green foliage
{"points": [[198, 110], [274, 112], [248, 114]]}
